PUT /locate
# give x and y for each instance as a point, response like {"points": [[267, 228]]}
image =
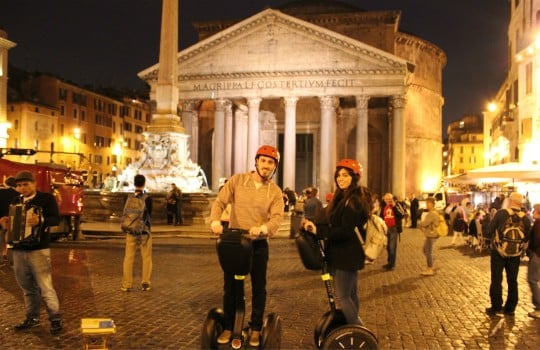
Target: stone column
{"points": [[190, 122], [289, 140], [328, 125], [240, 139], [218, 158], [362, 136], [253, 130], [228, 138], [398, 146], [5, 45]]}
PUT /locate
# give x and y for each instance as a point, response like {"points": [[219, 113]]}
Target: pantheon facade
{"points": [[321, 80]]}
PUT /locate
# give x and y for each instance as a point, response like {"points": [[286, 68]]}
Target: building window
{"points": [[98, 159], [61, 129], [36, 126], [528, 78], [461, 160], [461, 149], [83, 115], [74, 114], [16, 124], [62, 110], [36, 109], [472, 149]]}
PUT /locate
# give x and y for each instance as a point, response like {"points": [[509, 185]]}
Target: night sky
{"points": [[107, 42]]}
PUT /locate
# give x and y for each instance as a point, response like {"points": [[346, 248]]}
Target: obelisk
{"points": [[165, 119]]}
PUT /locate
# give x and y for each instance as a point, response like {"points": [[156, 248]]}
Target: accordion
{"points": [[19, 234]]}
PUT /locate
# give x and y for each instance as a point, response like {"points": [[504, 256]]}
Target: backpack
{"points": [[376, 239], [511, 240], [442, 227], [133, 218]]}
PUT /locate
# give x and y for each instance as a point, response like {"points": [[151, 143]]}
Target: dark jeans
{"points": [[391, 248], [258, 287], [511, 265]]}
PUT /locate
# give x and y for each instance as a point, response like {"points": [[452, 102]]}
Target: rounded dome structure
{"points": [[317, 7]]}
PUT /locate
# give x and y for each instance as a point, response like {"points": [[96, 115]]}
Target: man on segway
{"points": [[257, 207]]}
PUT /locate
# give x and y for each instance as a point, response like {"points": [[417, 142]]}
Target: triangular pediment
{"points": [[272, 44]]}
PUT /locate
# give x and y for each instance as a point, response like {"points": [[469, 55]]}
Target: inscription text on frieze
{"points": [[274, 84]]}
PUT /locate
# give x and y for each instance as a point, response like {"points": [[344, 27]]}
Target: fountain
{"points": [[164, 156]]}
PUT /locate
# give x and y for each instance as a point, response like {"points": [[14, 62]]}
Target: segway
{"points": [[332, 330], [234, 250]]}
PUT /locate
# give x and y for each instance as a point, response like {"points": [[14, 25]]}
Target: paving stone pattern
{"points": [[404, 309]]}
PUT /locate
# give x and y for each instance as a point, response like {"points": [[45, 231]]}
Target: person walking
{"points": [[140, 237], [339, 225], [7, 195], [428, 225], [32, 259], [392, 217], [257, 207], [501, 263], [533, 271], [414, 210], [459, 224], [312, 204]]}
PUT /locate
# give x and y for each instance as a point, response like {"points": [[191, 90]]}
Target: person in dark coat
{"points": [[7, 195], [341, 225], [414, 211]]}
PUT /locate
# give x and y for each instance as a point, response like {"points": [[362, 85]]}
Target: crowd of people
{"points": [[254, 203]]}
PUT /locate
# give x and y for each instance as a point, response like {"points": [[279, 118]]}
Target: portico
{"points": [[274, 75]]}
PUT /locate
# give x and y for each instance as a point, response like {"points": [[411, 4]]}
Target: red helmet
{"points": [[350, 164], [269, 151]]}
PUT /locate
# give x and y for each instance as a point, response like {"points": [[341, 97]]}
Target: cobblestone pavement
{"points": [[404, 309]]}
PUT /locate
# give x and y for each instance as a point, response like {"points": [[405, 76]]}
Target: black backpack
{"points": [[511, 241]]}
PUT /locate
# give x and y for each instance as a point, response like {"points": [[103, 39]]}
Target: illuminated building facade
{"points": [[512, 119], [465, 147], [73, 126]]}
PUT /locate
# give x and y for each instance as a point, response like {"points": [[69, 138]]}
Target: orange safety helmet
{"points": [[352, 165], [269, 151]]}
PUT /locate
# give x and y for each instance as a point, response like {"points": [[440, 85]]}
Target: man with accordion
{"points": [[30, 216]]}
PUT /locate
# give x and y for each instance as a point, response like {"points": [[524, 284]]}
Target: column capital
{"points": [[362, 102], [221, 104], [328, 102], [290, 101], [398, 101], [254, 102], [188, 105]]}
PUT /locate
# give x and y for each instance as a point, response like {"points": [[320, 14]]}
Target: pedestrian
{"points": [[460, 224], [428, 225], [339, 225], [500, 263], [256, 206], [174, 205], [291, 198], [533, 271], [7, 195], [312, 204], [414, 210], [32, 260], [141, 238], [392, 217]]}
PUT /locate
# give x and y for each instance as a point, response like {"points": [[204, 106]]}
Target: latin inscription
{"points": [[273, 84]]}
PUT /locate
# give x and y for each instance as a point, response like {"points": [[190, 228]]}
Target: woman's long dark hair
{"points": [[351, 195]]}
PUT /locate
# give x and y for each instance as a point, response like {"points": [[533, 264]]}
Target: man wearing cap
{"points": [[510, 264], [32, 262], [6, 197]]}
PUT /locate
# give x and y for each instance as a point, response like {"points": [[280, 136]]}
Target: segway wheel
{"points": [[350, 337], [327, 323], [271, 332], [212, 328]]}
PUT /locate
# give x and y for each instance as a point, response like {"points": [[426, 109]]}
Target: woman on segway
{"points": [[349, 209]]}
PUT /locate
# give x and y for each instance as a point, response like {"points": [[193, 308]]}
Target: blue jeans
{"points": [[428, 250], [391, 248], [533, 276], [346, 286], [33, 273], [511, 266]]}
